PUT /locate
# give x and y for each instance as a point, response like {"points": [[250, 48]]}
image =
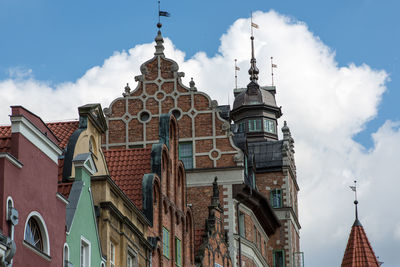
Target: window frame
{"points": [[34, 215], [112, 254], [255, 125], [166, 243], [274, 257], [87, 248], [178, 252], [133, 255], [66, 255], [267, 126], [274, 192], [183, 158], [242, 228]]}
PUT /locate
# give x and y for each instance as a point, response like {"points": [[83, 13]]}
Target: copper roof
{"points": [[63, 130], [359, 252], [127, 167]]}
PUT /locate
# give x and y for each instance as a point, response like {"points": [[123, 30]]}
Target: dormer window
{"points": [[255, 125], [270, 126]]}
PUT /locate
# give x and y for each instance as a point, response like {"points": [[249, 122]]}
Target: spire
{"points": [[354, 188], [159, 42], [253, 71], [359, 252]]}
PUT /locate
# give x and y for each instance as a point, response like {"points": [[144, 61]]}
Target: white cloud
{"points": [[325, 105]]}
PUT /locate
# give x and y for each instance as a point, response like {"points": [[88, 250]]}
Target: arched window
{"points": [[36, 233], [66, 255]]}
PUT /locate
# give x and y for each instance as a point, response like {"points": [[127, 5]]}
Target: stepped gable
{"points": [[127, 167], [359, 252], [63, 130], [133, 120]]}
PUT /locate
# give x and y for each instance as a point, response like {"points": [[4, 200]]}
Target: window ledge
{"points": [[34, 249]]}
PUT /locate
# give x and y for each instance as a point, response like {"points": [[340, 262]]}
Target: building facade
{"points": [[206, 147], [29, 153]]}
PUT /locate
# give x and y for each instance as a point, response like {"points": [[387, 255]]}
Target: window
{"points": [[36, 234], [112, 254], [186, 154], [242, 127], [269, 126], [165, 242], [255, 125], [85, 252], [178, 252], [66, 255], [131, 260], [241, 225], [33, 235], [276, 198], [279, 258]]}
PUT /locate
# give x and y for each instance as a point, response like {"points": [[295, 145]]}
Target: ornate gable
{"points": [[133, 119]]}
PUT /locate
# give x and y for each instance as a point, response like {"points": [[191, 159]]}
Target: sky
{"points": [[337, 82]]}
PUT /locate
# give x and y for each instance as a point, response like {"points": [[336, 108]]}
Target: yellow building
{"points": [[121, 225]]}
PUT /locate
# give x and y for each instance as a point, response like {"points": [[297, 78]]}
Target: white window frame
{"points": [[43, 230], [9, 199], [133, 255], [65, 257], [87, 244], [112, 254]]}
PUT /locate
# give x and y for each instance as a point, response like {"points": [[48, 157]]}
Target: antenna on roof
{"points": [[272, 71], [354, 188]]}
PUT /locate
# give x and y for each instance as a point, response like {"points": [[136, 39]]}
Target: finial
{"points": [[215, 197], [159, 43], [253, 71], [354, 188], [127, 90]]}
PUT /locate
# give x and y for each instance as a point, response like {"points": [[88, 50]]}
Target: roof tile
{"points": [[63, 130], [127, 167], [359, 252], [64, 189]]}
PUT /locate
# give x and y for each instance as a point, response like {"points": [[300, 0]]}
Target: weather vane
{"points": [[272, 71], [161, 14], [354, 188]]}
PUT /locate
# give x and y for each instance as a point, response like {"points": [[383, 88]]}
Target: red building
{"points": [[32, 213]]}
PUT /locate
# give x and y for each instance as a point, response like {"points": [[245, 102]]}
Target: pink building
{"points": [[32, 212]]}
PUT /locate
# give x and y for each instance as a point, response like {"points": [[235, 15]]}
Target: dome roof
{"points": [[254, 96]]}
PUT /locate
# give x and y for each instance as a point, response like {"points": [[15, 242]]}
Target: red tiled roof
{"points": [[5, 138], [64, 189], [127, 167], [5, 131], [63, 130], [359, 252]]}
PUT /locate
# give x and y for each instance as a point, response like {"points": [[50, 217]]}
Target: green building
{"points": [[83, 245]]}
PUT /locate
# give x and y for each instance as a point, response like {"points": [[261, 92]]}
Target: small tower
{"points": [[358, 251], [254, 111]]}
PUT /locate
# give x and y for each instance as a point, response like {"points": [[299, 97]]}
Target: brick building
{"points": [[154, 179], [206, 147], [255, 116]]}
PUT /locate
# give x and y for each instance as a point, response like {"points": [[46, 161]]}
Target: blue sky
{"points": [[60, 40], [86, 51]]}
